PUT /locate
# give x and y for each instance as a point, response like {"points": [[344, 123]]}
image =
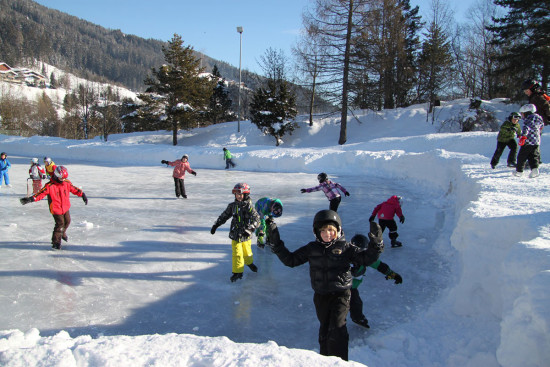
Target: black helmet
{"points": [[325, 217], [322, 177], [4, 153], [360, 241], [530, 84]]}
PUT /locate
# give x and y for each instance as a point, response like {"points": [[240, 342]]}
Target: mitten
{"points": [[346, 193], [213, 229], [193, 173], [402, 219], [303, 190], [26, 200], [371, 218], [522, 140], [43, 177], [84, 198], [393, 275], [164, 162], [273, 234]]}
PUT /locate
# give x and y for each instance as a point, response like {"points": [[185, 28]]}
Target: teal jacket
{"points": [[508, 131], [359, 272]]}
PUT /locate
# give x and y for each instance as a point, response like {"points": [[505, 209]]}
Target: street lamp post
{"points": [[240, 30]]}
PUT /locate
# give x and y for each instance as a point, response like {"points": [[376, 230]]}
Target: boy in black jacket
{"points": [[329, 258]]}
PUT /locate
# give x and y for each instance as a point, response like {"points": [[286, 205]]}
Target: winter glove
{"points": [[402, 219], [213, 229], [26, 200], [303, 190], [393, 275], [84, 199], [346, 193], [193, 173], [522, 140], [371, 218], [164, 162], [43, 177], [273, 234]]}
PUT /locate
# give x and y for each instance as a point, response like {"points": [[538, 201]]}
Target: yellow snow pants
{"points": [[242, 255]]}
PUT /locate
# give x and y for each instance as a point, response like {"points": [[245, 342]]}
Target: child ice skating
{"points": [[329, 257], [57, 190], [244, 221], [268, 209], [330, 189], [386, 211], [5, 165], [49, 166], [506, 137], [36, 174], [358, 272], [180, 167]]}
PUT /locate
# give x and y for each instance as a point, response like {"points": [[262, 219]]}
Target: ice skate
{"points": [[362, 322], [235, 277]]}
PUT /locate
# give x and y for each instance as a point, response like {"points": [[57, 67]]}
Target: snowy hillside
{"points": [[57, 95], [142, 282]]}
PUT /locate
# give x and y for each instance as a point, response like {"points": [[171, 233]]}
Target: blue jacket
{"points": [[4, 164]]}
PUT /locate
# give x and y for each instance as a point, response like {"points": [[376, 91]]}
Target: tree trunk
{"points": [[344, 116]]}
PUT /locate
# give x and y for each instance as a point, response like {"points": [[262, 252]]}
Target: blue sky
{"points": [[209, 26]]}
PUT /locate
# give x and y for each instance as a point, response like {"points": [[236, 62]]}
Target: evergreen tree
{"points": [[273, 109], [220, 105], [525, 35], [435, 63], [179, 81]]}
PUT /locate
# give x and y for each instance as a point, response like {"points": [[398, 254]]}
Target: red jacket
{"points": [[58, 195], [388, 209], [179, 168]]}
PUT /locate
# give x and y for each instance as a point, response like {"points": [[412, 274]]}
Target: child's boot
{"points": [[362, 321], [235, 277], [253, 267], [396, 243]]}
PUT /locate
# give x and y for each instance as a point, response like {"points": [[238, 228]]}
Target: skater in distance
{"points": [[330, 189], [180, 167]]}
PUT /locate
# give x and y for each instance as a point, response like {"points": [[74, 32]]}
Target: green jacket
{"points": [[227, 155], [508, 131]]}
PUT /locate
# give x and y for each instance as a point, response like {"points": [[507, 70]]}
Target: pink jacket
{"points": [[388, 209], [179, 168]]}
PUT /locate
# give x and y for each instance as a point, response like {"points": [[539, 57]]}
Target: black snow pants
{"points": [[62, 222], [332, 310], [392, 226], [180, 187], [356, 306], [528, 153], [334, 203], [513, 145]]}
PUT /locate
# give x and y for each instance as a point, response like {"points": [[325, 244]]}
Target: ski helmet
{"points": [[61, 173], [360, 241], [185, 156], [323, 218], [277, 208], [3, 154], [322, 177], [529, 108], [47, 160], [34, 160], [514, 115], [241, 188], [530, 84]]}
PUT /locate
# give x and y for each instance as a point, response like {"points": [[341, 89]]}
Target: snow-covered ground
{"points": [[142, 282]]}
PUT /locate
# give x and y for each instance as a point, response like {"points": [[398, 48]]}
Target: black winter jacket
{"points": [[245, 219], [329, 264]]}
